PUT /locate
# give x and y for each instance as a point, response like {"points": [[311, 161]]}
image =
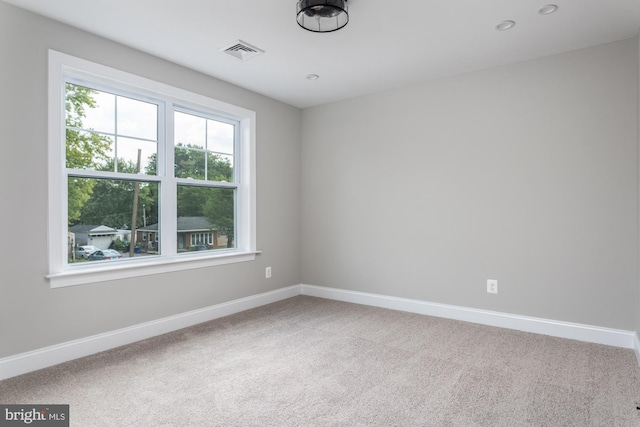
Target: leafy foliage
{"points": [[119, 245], [112, 200], [189, 162], [84, 150], [218, 209]]}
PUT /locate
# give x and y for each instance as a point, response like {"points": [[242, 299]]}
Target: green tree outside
{"points": [[112, 200], [108, 202], [84, 150]]}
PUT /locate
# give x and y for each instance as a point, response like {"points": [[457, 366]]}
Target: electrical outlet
{"points": [[267, 272], [492, 286]]}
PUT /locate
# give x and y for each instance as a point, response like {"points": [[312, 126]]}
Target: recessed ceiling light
{"points": [[312, 77], [505, 25], [547, 9]]}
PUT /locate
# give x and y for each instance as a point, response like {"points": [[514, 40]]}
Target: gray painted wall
{"points": [[31, 314], [524, 173]]}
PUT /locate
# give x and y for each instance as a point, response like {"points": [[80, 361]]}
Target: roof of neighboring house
{"points": [[92, 229], [185, 224]]}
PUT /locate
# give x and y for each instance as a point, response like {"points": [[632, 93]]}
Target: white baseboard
{"points": [[576, 331], [53, 355]]}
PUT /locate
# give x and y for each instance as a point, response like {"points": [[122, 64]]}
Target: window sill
{"points": [[82, 275]]}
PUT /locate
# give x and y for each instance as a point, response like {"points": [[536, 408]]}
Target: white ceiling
{"points": [[386, 44]]}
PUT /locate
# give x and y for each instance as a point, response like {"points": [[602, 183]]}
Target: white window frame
{"points": [[60, 274]]}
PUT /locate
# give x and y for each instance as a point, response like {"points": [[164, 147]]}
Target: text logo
{"points": [[34, 415]]}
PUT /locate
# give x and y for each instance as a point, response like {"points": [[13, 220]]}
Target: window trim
{"points": [[60, 274]]}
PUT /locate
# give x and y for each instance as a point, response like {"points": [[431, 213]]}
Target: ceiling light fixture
{"points": [[548, 9], [322, 16], [312, 77], [505, 25]]}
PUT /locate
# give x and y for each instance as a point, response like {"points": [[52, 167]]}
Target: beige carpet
{"points": [[314, 362]]}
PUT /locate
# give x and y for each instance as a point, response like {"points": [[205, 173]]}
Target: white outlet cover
{"points": [[492, 286]]}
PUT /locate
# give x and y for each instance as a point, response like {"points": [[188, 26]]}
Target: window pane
{"points": [[189, 163], [190, 130], [90, 109], [220, 137], [219, 167], [101, 212], [128, 155], [88, 150], [206, 218], [137, 119]]}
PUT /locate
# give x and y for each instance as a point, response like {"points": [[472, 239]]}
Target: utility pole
{"points": [[134, 217]]}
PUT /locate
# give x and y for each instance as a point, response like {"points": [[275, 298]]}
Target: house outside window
{"points": [[136, 157]]}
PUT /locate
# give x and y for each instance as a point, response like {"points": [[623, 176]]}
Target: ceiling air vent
{"points": [[241, 50]]}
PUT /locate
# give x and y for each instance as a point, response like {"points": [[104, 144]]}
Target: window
{"points": [[131, 160]]}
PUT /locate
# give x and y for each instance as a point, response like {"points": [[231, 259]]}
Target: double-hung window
{"points": [[131, 158]]}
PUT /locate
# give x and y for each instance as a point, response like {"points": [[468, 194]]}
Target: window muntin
{"points": [[120, 88], [103, 126], [204, 147], [201, 203], [126, 143]]}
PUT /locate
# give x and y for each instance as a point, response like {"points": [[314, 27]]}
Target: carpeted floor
{"points": [[313, 362]]}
